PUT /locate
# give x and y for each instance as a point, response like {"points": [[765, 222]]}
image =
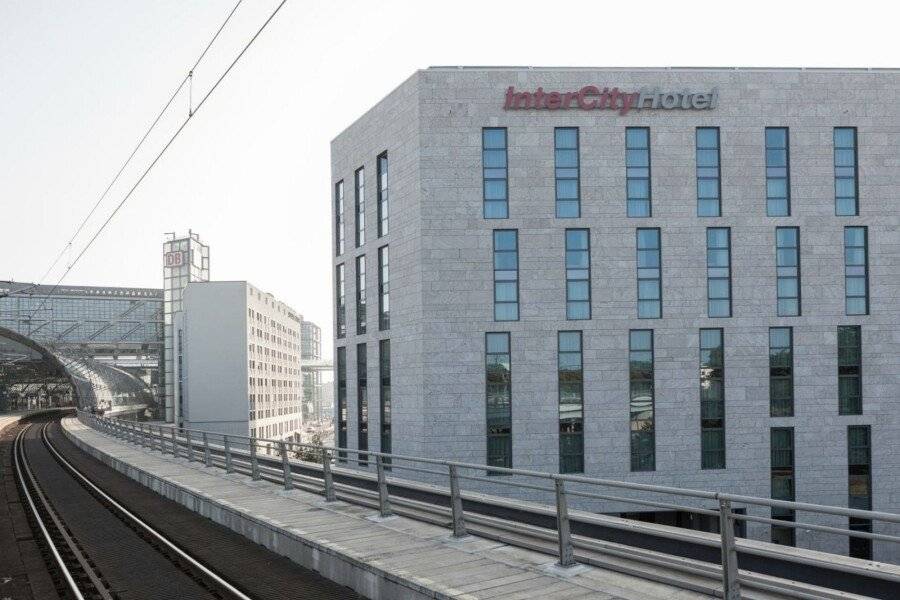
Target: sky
{"points": [[81, 81]]}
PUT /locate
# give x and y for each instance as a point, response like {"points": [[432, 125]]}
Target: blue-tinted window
{"points": [[506, 275], [787, 270], [712, 399], [641, 399], [568, 185], [781, 372], [782, 482], [718, 271], [494, 171], [849, 348], [498, 395], [637, 171], [571, 402], [778, 172], [859, 485], [578, 274], [649, 274], [856, 270], [846, 187], [709, 188]]}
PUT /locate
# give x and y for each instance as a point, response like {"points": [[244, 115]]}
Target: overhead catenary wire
{"points": [[161, 152]]}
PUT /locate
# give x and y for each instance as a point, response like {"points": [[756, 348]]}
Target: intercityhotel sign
{"points": [[592, 97]]}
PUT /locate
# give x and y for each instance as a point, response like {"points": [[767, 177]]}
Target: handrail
{"points": [[279, 468]]}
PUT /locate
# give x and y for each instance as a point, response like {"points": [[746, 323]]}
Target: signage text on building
{"points": [[175, 259], [592, 97]]}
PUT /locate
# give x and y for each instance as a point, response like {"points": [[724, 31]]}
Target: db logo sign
{"points": [[174, 259]]}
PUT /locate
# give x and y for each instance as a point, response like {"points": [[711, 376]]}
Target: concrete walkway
{"points": [[395, 557]]}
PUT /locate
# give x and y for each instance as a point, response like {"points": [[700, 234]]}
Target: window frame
{"points": [[578, 424], [384, 288], [569, 301], [361, 306], [383, 197], [485, 179], [638, 268], [864, 277], [857, 408], [789, 410], [557, 178], [487, 353], [855, 177], [494, 254], [649, 178], [359, 198], [718, 177], [787, 170], [798, 276], [727, 278], [635, 457], [704, 464], [339, 218]]}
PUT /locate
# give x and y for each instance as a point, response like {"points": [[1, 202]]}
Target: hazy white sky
{"points": [[81, 80]]}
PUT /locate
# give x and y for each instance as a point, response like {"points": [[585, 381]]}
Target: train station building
{"points": [[682, 277]]}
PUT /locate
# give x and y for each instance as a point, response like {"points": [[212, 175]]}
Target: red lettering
{"points": [[553, 100], [567, 99], [628, 100], [583, 94], [614, 98], [538, 98]]}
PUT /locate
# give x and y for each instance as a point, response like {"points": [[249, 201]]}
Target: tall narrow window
{"points": [[494, 165], [637, 172], [709, 187], [360, 294], [360, 179], [649, 274], [782, 465], [856, 270], [383, 199], [712, 399], [787, 270], [384, 290], [778, 172], [362, 403], [499, 400], [571, 403], [341, 302], [506, 275], [781, 372], [578, 274], [641, 400], [718, 271], [384, 375], [846, 187], [859, 485], [568, 185], [849, 370], [339, 217], [342, 401]]}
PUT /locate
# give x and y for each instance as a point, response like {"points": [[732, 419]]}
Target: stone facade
{"points": [[442, 277]]}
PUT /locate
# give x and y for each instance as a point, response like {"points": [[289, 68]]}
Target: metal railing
{"points": [[236, 453]]}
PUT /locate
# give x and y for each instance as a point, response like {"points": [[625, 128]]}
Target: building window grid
{"points": [[567, 172], [859, 486], [709, 184], [339, 217], [641, 399], [712, 398], [495, 185], [787, 271], [778, 172], [341, 303], [637, 172], [783, 485], [571, 402], [649, 273], [362, 403], [849, 369], [384, 289], [361, 295], [856, 270], [718, 271], [498, 399], [506, 275], [578, 274], [359, 178], [384, 374], [846, 175], [781, 371], [383, 198]]}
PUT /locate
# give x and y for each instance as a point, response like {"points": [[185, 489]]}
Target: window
{"points": [[342, 401], [637, 171], [787, 270], [384, 290], [849, 370], [493, 168], [362, 404], [709, 188], [339, 217], [361, 295], [360, 178], [641, 399], [571, 403], [383, 200], [578, 274], [856, 270], [778, 173], [782, 465], [712, 399], [499, 400], [649, 274], [718, 271], [846, 187], [384, 374], [568, 194], [341, 308], [859, 485], [781, 372], [506, 275]]}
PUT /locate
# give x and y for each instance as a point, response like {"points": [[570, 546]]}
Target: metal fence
{"points": [[244, 454]]}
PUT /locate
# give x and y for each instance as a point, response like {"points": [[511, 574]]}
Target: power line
{"points": [[161, 152]]}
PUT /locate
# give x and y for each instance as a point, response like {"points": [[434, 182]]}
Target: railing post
{"points": [[327, 480], [456, 508], [174, 443], [190, 447], [731, 586], [566, 554], [229, 468], [285, 466], [142, 435], [207, 457], [384, 504], [152, 437], [254, 462]]}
